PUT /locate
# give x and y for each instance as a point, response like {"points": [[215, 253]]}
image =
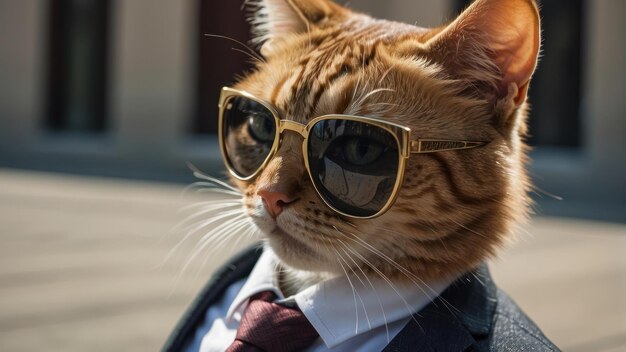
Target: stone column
{"points": [[22, 46], [151, 86], [604, 94]]}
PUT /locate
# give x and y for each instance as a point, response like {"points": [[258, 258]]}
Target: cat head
{"points": [[463, 81]]}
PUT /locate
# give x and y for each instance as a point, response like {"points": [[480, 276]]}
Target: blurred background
{"points": [[103, 102]]}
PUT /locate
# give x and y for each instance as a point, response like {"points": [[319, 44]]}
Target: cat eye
{"points": [[361, 151], [261, 127], [356, 163]]}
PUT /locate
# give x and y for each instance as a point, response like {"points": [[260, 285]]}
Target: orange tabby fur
{"points": [[464, 81]]}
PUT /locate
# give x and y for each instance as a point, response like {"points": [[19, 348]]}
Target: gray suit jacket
{"points": [[470, 315]]}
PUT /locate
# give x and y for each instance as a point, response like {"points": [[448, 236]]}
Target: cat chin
{"points": [[295, 253]]}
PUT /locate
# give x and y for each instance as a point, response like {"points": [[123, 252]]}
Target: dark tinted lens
{"points": [[353, 165], [248, 131]]}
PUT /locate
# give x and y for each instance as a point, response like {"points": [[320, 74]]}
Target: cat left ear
{"points": [[273, 20], [493, 41]]}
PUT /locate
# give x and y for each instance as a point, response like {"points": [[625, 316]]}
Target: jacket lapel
{"points": [[454, 320], [236, 269]]}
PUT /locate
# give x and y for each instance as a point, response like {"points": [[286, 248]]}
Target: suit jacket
{"points": [[472, 314]]}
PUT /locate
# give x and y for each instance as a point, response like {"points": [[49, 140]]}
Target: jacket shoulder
{"points": [[512, 330], [472, 314]]}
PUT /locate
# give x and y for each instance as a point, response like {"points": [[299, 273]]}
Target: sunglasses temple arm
{"points": [[437, 145]]}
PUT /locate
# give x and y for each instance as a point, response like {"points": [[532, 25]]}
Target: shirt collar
{"points": [[261, 279], [366, 303]]}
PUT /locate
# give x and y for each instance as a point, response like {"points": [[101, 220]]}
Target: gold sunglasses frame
{"points": [[402, 135]]}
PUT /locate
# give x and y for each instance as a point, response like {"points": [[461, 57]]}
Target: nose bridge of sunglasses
{"points": [[292, 126]]}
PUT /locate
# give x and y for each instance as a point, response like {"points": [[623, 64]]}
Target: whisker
{"points": [[251, 52], [356, 308], [254, 58], [403, 270], [235, 229], [375, 91], [188, 262], [380, 303], [367, 318], [195, 230], [383, 104], [192, 219], [384, 277], [209, 184], [355, 90], [218, 190], [232, 202], [215, 233], [199, 225], [384, 75], [201, 175], [467, 228], [203, 211], [219, 243]]}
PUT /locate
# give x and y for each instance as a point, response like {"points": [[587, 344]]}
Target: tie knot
{"points": [[265, 296], [268, 326]]}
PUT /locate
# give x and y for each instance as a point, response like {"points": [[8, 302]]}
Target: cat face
{"points": [[464, 81]]}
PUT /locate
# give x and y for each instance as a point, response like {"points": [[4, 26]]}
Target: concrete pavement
{"points": [[82, 268]]}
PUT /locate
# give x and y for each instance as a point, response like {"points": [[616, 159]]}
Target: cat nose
{"points": [[274, 202]]}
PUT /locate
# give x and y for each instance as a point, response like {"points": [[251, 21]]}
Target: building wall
{"points": [[153, 60], [21, 77], [152, 68], [592, 181], [421, 12]]}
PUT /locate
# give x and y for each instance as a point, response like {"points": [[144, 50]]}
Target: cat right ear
{"points": [[274, 20], [495, 42]]}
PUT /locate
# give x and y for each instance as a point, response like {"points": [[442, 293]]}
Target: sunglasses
{"points": [[355, 163]]}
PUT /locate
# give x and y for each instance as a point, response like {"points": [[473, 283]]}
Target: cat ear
{"points": [[495, 42], [275, 19]]}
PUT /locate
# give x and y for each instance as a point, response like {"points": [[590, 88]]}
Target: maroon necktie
{"points": [[267, 326]]}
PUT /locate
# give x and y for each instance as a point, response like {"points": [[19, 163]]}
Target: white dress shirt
{"points": [[352, 314]]}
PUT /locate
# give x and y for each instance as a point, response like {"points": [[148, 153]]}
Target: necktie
{"points": [[267, 326]]}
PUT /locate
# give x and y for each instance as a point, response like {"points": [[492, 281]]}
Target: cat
{"points": [[465, 81]]}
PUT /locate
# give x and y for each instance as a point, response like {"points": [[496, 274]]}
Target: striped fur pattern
{"points": [[455, 208]]}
